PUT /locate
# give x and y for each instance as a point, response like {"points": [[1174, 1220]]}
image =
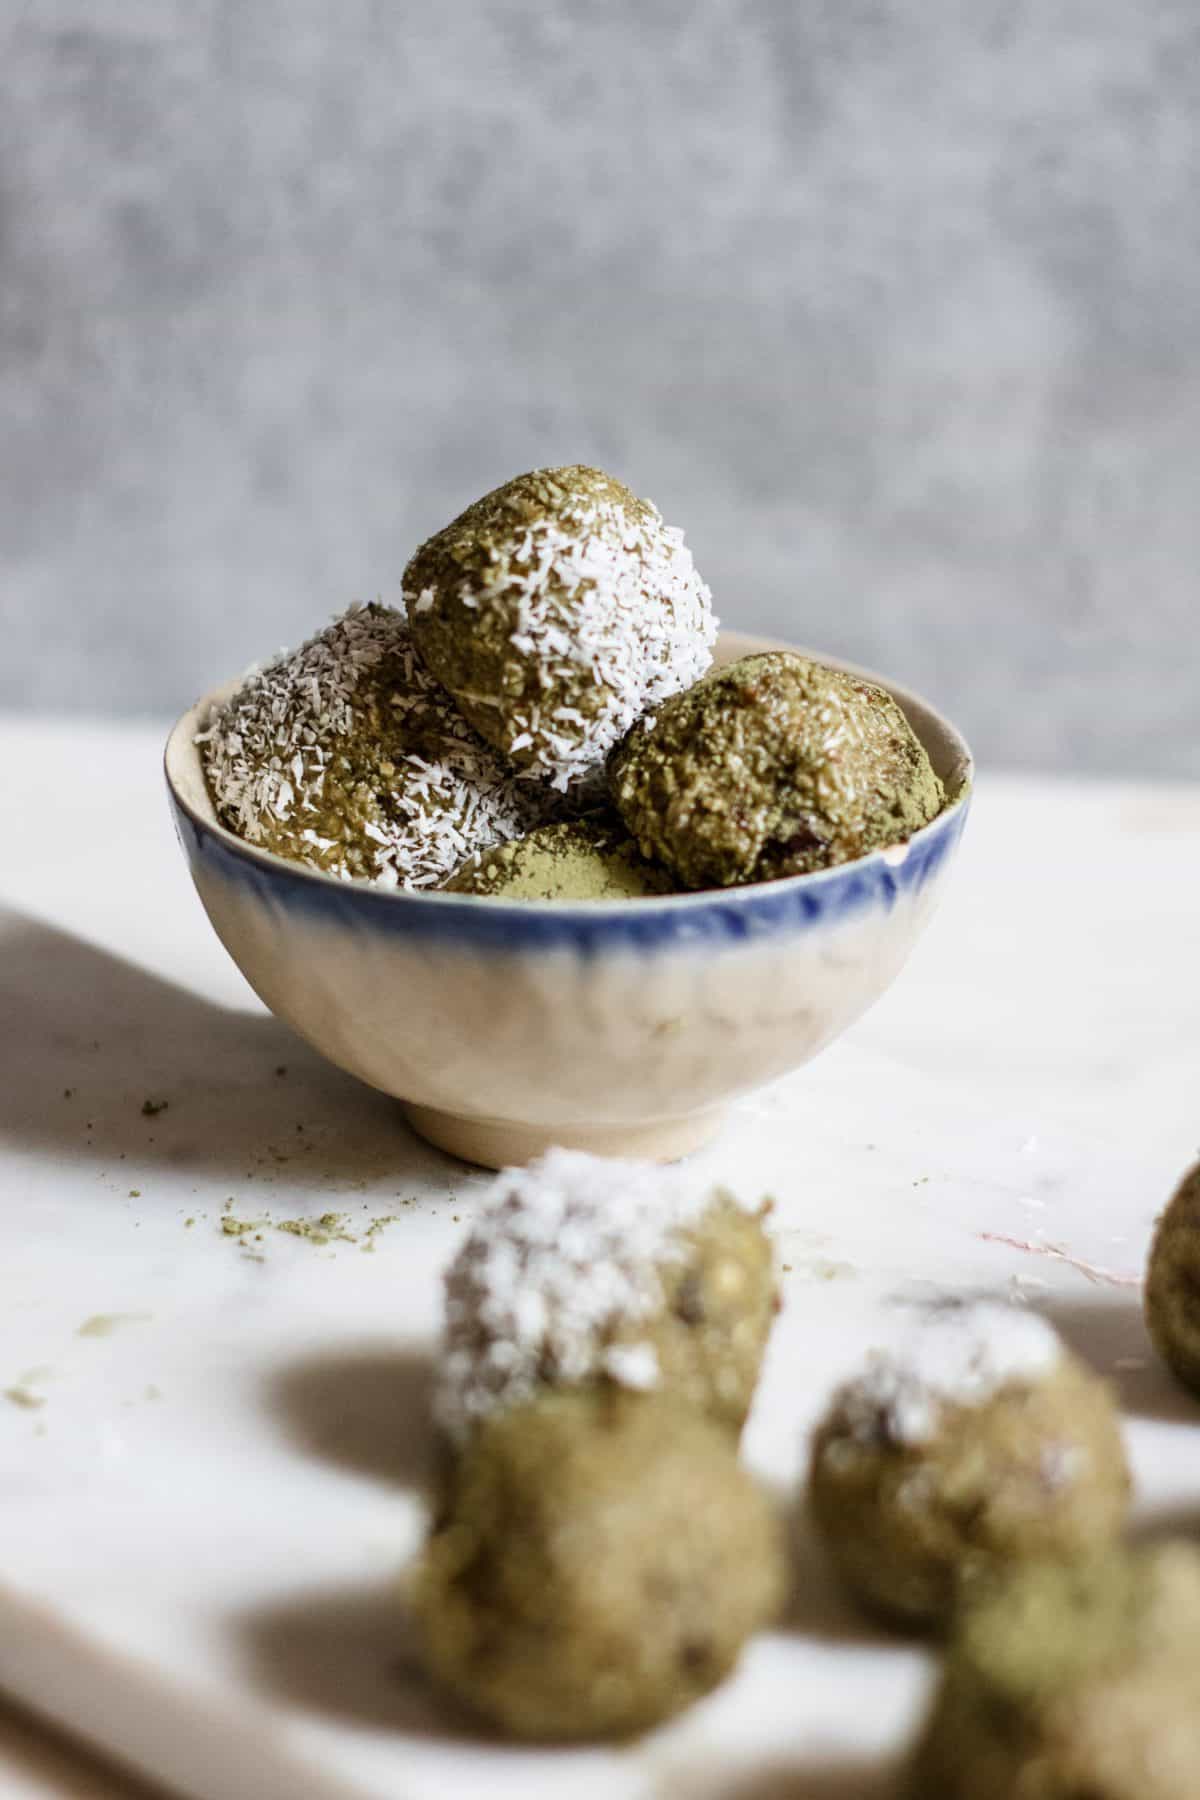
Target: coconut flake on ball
{"points": [[563, 1253], [960, 1354], [353, 712], [604, 613]]}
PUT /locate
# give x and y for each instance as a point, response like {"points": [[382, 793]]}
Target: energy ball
{"points": [[773, 766], [556, 610], [979, 1442], [347, 755], [573, 860], [1172, 1297], [1072, 1682], [602, 1563], [582, 1271]]}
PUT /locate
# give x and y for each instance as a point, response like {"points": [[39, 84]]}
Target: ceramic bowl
{"points": [[623, 1027]]}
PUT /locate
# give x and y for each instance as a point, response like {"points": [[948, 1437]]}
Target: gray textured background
{"points": [[893, 304]]}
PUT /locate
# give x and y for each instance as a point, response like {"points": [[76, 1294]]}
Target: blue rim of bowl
{"points": [[713, 915]]}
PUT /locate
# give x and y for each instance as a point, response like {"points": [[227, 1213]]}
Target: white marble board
{"points": [[211, 1452]]}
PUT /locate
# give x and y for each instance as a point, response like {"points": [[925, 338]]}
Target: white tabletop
{"points": [[1059, 989]]}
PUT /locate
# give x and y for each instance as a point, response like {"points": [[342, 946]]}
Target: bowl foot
{"points": [[499, 1144]]}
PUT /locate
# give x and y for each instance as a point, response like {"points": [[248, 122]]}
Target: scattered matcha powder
{"points": [[152, 1108], [24, 1397], [330, 1227], [102, 1325], [375, 1227], [240, 1228], [324, 1230]]}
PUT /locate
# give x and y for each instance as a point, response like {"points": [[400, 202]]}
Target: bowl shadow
{"points": [[112, 1062]]}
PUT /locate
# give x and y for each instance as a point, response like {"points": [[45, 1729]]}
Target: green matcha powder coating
{"points": [[1172, 1297], [570, 861], [1072, 1681], [602, 1560], [774, 766]]}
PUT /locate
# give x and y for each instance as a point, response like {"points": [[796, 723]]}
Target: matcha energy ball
{"points": [[1173, 1283], [582, 1271], [556, 609], [977, 1443], [602, 1562], [773, 766], [346, 755], [1072, 1682], [573, 860]]}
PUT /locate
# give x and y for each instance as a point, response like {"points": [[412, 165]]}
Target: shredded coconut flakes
{"points": [[270, 749], [955, 1355], [604, 602], [564, 1252]]}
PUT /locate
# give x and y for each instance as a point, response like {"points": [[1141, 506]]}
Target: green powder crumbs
{"points": [[240, 1228], [152, 1108], [375, 1227], [329, 1228], [102, 1325], [324, 1230], [24, 1397]]}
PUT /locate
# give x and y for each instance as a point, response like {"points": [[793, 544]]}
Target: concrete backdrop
{"points": [[893, 304]]}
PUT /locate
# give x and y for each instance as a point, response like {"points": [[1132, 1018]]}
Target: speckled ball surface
{"points": [[556, 609], [774, 766], [976, 1443], [601, 1563], [1172, 1293], [1072, 1682], [346, 755]]}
